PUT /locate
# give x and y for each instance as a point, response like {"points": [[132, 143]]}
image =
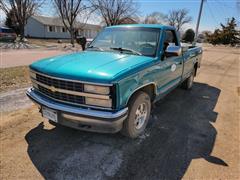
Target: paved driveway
{"points": [[21, 57]]}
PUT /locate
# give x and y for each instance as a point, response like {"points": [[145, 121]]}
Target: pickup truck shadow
{"points": [[180, 130]]}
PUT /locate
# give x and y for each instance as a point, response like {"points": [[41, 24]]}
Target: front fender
{"points": [[129, 85]]}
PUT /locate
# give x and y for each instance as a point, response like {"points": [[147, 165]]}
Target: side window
{"points": [[169, 40]]}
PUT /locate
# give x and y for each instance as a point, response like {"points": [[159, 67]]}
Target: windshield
{"points": [[139, 41]]}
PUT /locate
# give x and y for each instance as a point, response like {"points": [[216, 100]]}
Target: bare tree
{"points": [[21, 10], [68, 11], [115, 12], [178, 18], [155, 18]]}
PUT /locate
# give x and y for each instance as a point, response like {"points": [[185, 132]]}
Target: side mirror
{"points": [[173, 51], [89, 41], [88, 44]]}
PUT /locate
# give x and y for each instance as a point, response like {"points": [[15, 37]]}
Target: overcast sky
{"points": [[214, 11]]}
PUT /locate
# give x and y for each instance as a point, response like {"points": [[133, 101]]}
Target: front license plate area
{"points": [[49, 114]]}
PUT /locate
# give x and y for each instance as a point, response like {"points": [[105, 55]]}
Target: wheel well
{"points": [[150, 89], [195, 68]]}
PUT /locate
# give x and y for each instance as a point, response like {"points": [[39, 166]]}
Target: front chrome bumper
{"points": [[82, 118]]}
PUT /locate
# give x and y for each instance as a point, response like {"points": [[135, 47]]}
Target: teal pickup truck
{"points": [[110, 87]]}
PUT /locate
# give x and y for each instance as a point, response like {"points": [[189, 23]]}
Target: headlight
{"points": [[32, 74], [96, 89], [98, 102], [34, 85], [33, 78]]}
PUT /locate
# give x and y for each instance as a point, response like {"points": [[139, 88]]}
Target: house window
{"points": [[51, 29], [84, 32], [94, 33], [80, 32], [58, 29], [63, 29], [88, 33]]}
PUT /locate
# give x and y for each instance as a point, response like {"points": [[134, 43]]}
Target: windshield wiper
{"points": [[95, 47], [125, 49]]}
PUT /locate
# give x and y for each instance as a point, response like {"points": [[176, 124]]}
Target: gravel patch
{"points": [[14, 100]]}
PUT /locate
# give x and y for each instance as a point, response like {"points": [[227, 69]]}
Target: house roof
{"points": [[56, 21]]}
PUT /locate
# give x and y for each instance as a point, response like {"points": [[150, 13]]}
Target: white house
{"points": [[52, 27]]}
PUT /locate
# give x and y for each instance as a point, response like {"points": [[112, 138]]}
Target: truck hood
{"points": [[93, 66]]}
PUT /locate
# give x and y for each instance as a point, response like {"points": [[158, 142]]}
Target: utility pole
{"points": [[198, 21]]}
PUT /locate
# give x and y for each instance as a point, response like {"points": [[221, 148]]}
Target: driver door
{"points": [[171, 66]]}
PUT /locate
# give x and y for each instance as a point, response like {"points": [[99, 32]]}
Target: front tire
{"points": [[139, 113]]}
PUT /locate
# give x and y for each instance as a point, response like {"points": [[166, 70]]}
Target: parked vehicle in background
{"points": [[7, 34], [110, 87]]}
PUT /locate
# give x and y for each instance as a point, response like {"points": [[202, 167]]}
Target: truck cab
{"points": [[111, 86]]}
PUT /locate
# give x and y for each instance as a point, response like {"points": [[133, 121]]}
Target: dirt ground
{"points": [[14, 78], [192, 135]]}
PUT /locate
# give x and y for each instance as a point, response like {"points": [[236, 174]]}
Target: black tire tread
{"points": [[126, 130]]}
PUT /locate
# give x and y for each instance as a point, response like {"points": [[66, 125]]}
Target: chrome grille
{"points": [[61, 84], [64, 90], [62, 96]]}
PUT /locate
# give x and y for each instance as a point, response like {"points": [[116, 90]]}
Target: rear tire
{"points": [[188, 83], [139, 112]]}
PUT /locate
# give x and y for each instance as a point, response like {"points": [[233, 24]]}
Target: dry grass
{"points": [[14, 77]]}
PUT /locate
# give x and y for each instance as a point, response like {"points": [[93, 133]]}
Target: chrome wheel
{"points": [[140, 116]]}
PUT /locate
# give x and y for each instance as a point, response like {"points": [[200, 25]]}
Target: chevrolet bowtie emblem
{"points": [[52, 88]]}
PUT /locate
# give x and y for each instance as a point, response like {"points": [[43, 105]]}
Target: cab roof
{"points": [[158, 26]]}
